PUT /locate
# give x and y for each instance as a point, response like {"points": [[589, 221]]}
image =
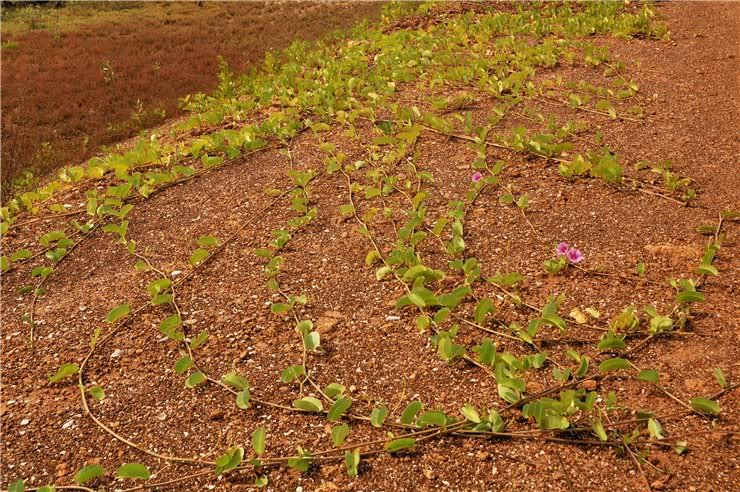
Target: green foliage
{"points": [[64, 371], [88, 473], [133, 470], [229, 460]]}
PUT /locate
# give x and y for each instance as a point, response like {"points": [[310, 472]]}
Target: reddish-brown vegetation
{"points": [[66, 93]]}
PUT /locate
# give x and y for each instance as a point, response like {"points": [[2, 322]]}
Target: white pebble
{"points": [[116, 353], [25, 422]]}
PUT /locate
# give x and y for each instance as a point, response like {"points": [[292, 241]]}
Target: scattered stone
{"points": [[590, 385], [216, 415], [429, 473], [116, 353], [25, 422], [328, 321], [392, 318]]}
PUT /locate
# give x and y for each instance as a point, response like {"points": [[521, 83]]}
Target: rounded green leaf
{"points": [[258, 440], [649, 376], [614, 364], [63, 372], [87, 473], [339, 408], [470, 413], [399, 444], [309, 403], [195, 379], [410, 412], [378, 416], [705, 405], [339, 434], [117, 312], [432, 418], [134, 470]]}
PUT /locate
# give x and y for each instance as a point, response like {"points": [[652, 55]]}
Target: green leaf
{"points": [[199, 340], [64, 371], [555, 320], [258, 440], [707, 270], [719, 375], [508, 394], [195, 379], [183, 364], [437, 419], [410, 412], [198, 256], [689, 296], [308, 403], [117, 312], [470, 413], [292, 372], [484, 307], [261, 482], [134, 470], [242, 399], [207, 241], [312, 341], [333, 389], [229, 460], [598, 428], [18, 486], [611, 343], [613, 365], [168, 325], [88, 473], [352, 460], [378, 416], [655, 429], [346, 209], [382, 272], [97, 392], [400, 444], [20, 255], [339, 408], [705, 405], [649, 376], [339, 434], [300, 464], [235, 380], [680, 447], [279, 307]]}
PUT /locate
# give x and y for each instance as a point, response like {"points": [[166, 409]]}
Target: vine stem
{"points": [[169, 482]]}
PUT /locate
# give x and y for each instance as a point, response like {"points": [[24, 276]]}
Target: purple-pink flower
{"points": [[574, 255], [477, 176], [562, 249]]}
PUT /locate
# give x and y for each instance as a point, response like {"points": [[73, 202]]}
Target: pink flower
{"points": [[476, 177], [562, 249], [574, 255]]}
